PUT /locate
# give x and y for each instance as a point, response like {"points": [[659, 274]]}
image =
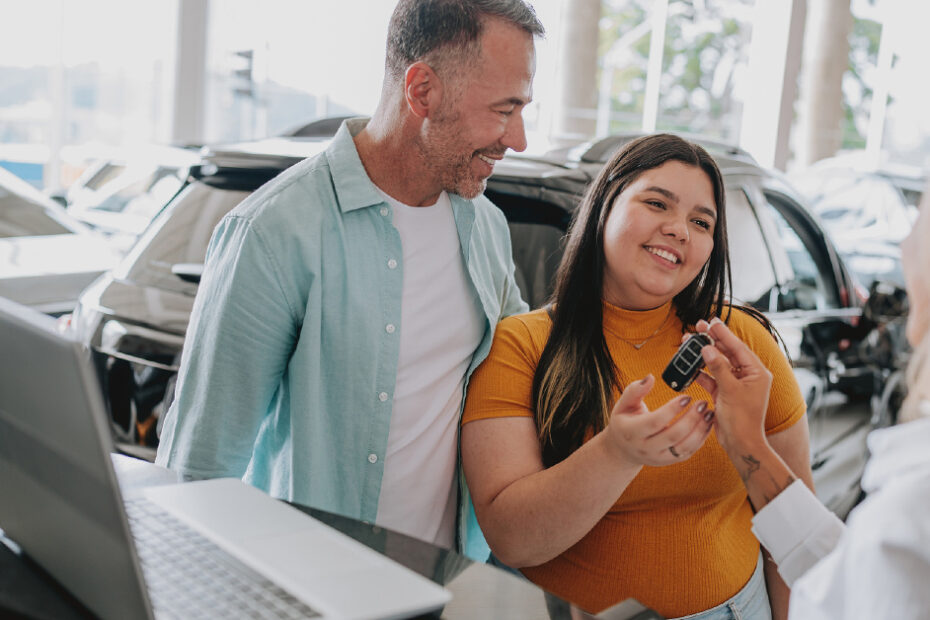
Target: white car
{"points": [[46, 256], [120, 195]]}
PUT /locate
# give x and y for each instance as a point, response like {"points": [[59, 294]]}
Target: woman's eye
{"points": [[656, 203], [703, 224]]}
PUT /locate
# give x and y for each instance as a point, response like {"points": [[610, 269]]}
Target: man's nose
{"points": [[515, 133]]}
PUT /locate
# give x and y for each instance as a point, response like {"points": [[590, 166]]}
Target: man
{"points": [[345, 304]]}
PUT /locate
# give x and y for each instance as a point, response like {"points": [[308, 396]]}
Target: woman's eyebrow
{"points": [[674, 198], [707, 211], [661, 190]]}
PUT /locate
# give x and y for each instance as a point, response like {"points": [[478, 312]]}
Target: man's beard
{"points": [[446, 160]]}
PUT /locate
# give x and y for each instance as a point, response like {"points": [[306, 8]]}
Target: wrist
{"points": [[615, 454], [752, 444]]}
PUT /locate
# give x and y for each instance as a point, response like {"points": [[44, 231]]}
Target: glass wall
{"points": [[94, 75], [78, 79], [703, 63]]}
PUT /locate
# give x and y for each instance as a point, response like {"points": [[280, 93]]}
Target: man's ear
{"points": [[422, 89]]}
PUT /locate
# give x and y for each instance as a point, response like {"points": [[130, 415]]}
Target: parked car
{"points": [[46, 256], [867, 208], [120, 195], [135, 317]]}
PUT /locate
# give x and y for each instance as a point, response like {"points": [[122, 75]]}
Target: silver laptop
{"points": [[219, 545]]}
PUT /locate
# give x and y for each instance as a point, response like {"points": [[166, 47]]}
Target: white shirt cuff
{"points": [[797, 530]]}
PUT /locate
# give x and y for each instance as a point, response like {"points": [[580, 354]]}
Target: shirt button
{"points": [[372, 458], [389, 328], [384, 211], [383, 396], [392, 264]]}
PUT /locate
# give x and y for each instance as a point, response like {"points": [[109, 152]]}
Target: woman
{"points": [[878, 566], [598, 499]]}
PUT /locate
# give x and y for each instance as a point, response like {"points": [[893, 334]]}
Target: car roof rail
{"points": [[600, 151]]}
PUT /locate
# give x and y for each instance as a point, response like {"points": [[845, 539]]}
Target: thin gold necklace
{"points": [[639, 345]]}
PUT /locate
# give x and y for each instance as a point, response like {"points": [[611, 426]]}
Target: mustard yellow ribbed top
{"points": [[678, 539]]}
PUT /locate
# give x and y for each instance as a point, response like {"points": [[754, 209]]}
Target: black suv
{"points": [[134, 318]]}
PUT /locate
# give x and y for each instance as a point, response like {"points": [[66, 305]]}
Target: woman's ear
{"points": [[422, 89]]}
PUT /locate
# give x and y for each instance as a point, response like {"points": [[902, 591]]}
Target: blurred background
{"points": [[128, 129], [790, 81]]}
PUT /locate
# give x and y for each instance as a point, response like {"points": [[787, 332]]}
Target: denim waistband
{"points": [[750, 603]]}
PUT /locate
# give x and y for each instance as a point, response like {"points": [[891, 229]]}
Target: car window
{"points": [[805, 287], [104, 175], [21, 216], [754, 276], [165, 180], [537, 250], [179, 234]]}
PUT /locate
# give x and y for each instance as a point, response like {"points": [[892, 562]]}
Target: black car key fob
{"points": [[687, 362]]}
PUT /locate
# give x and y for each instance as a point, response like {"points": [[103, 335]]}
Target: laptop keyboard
{"points": [[188, 576]]}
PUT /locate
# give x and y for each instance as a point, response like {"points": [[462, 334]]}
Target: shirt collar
{"points": [[354, 190]]}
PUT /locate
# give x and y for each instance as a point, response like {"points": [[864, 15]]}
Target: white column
{"points": [[873, 140], [654, 73], [774, 64], [190, 80], [58, 121], [826, 59], [576, 112]]}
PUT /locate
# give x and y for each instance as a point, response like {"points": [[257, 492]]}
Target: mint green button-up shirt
{"points": [[290, 360]]}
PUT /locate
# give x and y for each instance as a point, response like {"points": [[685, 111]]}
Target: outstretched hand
{"points": [[670, 434], [739, 384]]}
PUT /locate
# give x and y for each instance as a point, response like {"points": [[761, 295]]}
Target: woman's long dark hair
{"points": [[574, 381]]}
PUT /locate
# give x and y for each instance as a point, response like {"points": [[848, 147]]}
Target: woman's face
{"points": [[915, 257], [658, 235]]}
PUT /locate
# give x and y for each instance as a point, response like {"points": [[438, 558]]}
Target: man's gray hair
{"points": [[446, 33]]}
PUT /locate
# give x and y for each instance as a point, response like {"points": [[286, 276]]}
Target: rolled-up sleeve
{"points": [[797, 530]]}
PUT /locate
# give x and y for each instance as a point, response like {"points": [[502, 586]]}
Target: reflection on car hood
{"points": [[151, 307], [55, 254]]}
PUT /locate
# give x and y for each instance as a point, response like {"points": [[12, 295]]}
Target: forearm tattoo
{"points": [[752, 465]]}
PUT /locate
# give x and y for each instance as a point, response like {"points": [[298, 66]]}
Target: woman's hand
{"points": [[670, 434], [740, 388]]}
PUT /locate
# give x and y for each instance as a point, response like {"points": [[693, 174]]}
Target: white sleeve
{"points": [[797, 530]]}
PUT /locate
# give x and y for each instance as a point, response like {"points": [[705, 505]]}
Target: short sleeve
{"points": [[786, 403], [241, 333], [502, 385]]}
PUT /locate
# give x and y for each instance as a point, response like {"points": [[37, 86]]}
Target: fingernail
{"points": [[709, 416], [645, 380], [715, 320], [701, 406], [684, 400]]}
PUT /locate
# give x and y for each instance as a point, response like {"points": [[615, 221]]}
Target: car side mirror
{"points": [[886, 301], [189, 272]]}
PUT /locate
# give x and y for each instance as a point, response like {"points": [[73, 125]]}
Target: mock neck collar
{"points": [[636, 325]]}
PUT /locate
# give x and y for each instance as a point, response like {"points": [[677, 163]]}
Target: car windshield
{"points": [[179, 235], [145, 195]]}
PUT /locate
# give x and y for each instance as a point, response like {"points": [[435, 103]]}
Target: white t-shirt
{"points": [[441, 325]]}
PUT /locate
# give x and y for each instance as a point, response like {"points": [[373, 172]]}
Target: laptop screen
{"points": [[61, 500]]}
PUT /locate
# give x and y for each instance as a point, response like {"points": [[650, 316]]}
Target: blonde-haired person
{"points": [[878, 565], [598, 499]]}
